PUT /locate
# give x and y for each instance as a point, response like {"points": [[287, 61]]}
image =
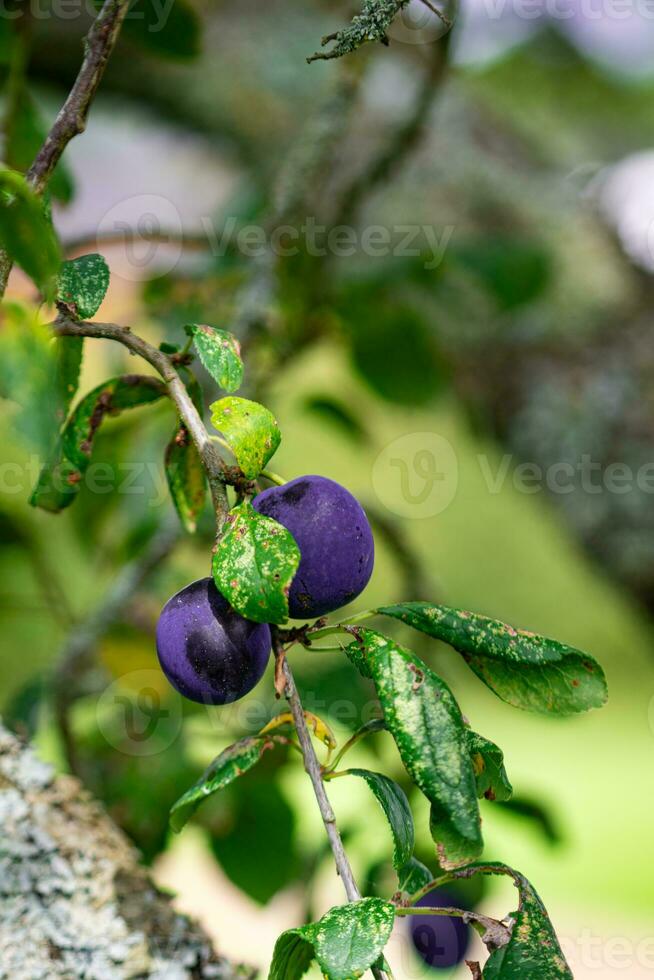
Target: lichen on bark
{"points": [[74, 901]]}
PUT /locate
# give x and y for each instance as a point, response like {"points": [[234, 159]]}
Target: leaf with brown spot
{"points": [[488, 763], [220, 354], [186, 477], [428, 728], [59, 480], [524, 669], [532, 951], [228, 766], [250, 430], [254, 564]]}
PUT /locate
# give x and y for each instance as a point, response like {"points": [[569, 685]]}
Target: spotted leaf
{"points": [[532, 950], [524, 669], [425, 720], [82, 285], [488, 763], [345, 942], [254, 564], [220, 353], [228, 766], [250, 430], [60, 478]]}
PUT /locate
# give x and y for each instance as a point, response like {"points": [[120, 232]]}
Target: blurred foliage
{"points": [[532, 329]]}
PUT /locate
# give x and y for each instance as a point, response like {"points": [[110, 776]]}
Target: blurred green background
{"points": [[526, 340]]}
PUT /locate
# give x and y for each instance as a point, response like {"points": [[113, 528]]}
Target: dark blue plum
{"points": [[335, 541], [441, 941], [206, 650]]}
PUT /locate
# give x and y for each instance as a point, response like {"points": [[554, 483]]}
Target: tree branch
{"points": [[214, 465], [75, 900], [71, 120], [314, 772], [216, 472]]}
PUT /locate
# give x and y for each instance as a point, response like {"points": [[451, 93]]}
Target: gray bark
{"points": [[74, 902]]}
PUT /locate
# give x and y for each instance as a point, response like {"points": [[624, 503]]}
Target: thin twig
{"points": [[84, 638], [104, 239], [313, 770], [71, 120], [176, 389], [439, 13]]}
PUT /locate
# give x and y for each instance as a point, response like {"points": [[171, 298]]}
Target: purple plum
{"points": [[208, 652], [441, 941], [335, 541]]}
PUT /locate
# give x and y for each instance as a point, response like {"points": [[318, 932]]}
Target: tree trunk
{"points": [[74, 901]]}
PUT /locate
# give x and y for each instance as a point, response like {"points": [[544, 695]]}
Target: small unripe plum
{"points": [[208, 652], [335, 541], [441, 941]]}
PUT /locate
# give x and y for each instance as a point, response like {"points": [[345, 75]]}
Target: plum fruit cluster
{"points": [[209, 652]]}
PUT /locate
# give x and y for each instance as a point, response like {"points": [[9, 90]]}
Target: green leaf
{"points": [[350, 938], [524, 669], [60, 478], [69, 354], [426, 723], [345, 942], [25, 135], [220, 353], [533, 950], [173, 30], [292, 955], [227, 767], [395, 805], [488, 763], [28, 372], [186, 478], [82, 285], [254, 564], [250, 430], [413, 876], [26, 231]]}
